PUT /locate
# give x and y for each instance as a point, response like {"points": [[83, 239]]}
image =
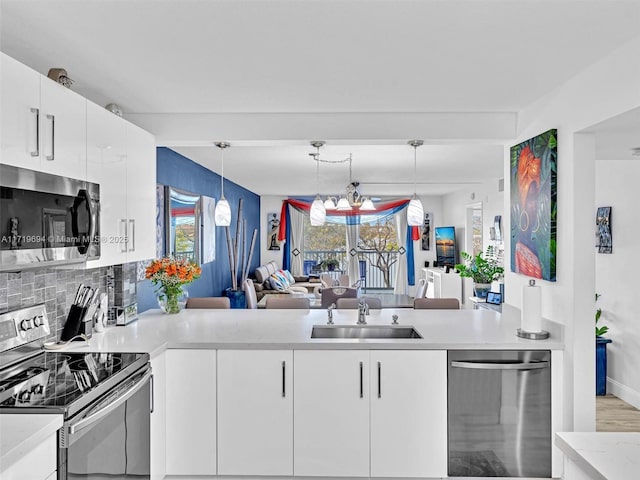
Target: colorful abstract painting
{"points": [[534, 206]]}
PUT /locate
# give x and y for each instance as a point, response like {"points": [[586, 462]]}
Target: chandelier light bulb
{"points": [[317, 214], [343, 205], [329, 204], [367, 205]]}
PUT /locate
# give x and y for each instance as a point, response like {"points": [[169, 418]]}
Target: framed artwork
{"points": [[426, 231], [603, 230], [534, 206], [273, 225]]}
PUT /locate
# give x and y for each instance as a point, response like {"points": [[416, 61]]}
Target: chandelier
{"points": [[350, 200]]}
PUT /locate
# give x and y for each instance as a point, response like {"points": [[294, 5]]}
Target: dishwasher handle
{"points": [[498, 365]]}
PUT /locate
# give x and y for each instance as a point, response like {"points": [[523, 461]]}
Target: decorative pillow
{"points": [[262, 274], [278, 282], [290, 278]]}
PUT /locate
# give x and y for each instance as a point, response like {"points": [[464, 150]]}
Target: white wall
{"points": [[454, 208], [607, 88], [616, 276]]}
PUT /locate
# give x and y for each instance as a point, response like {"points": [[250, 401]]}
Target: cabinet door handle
{"points": [[123, 221], [36, 152], [53, 137], [153, 394], [361, 380], [284, 377], [379, 380], [133, 235]]}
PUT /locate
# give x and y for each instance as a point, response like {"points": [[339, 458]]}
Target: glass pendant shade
{"points": [[329, 204], [222, 213], [343, 204], [415, 212], [317, 214], [367, 205]]}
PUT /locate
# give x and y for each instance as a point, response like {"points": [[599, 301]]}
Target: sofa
{"points": [[270, 279]]}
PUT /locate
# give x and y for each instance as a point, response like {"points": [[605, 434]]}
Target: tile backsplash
{"points": [[56, 288]]}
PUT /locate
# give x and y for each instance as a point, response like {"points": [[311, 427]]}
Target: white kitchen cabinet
{"points": [[441, 284], [38, 463], [331, 412], [106, 165], [158, 417], [43, 123], [19, 111], [191, 412], [141, 194], [255, 412], [408, 413], [62, 130], [122, 159]]}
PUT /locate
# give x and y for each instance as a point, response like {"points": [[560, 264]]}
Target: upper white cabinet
{"points": [[106, 165], [191, 412], [331, 411], [141, 194], [20, 112], [255, 412], [408, 413], [43, 123], [121, 158], [62, 130]]}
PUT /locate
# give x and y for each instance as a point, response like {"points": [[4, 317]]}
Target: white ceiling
{"points": [[186, 59]]}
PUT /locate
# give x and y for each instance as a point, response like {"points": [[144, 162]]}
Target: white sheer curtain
{"points": [[402, 286], [297, 240], [353, 268]]}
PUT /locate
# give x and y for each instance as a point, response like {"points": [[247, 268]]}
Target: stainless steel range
{"points": [[105, 398]]}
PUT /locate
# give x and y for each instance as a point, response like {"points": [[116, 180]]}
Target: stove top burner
{"points": [[56, 379]]}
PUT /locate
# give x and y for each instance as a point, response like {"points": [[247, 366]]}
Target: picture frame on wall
{"points": [[273, 225], [604, 241], [426, 231], [534, 206]]}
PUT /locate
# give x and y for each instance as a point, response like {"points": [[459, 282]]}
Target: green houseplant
{"points": [[330, 264], [481, 270]]}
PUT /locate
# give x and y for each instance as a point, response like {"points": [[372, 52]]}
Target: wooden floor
{"points": [[614, 415]]}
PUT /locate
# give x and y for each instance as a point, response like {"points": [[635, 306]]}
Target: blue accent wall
{"points": [[180, 172]]}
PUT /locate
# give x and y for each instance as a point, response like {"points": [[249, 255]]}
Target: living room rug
{"points": [[483, 463]]}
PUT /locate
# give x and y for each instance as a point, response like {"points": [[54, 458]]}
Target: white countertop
{"points": [[603, 455], [20, 433], [291, 329]]}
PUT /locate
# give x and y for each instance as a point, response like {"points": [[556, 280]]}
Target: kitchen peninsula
{"points": [[225, 380]]}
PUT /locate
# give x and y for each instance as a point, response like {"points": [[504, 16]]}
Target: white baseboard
{"points": [[623, 392]]}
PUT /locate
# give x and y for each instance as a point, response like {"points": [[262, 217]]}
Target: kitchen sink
{"points": [[364, 331]]}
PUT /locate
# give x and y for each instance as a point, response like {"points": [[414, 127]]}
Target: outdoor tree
{"points": [[381, 239]]}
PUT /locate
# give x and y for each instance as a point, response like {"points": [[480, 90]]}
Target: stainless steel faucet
{"points": [[363, 309], [330, 313]]}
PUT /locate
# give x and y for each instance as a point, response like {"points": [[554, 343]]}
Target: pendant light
{"points": [[318, 213], [222, 212], [415, 212]]}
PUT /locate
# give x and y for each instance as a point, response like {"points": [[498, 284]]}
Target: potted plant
{"points": [[330, 264], [601, 353], [481, 270]]}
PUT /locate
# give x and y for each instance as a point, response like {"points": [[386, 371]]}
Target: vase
{"points": [[172, 301], [601, 365], [481, 289], [236, 298]]}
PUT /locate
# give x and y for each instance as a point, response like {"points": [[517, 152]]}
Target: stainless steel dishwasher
{"points": [[499, 413]]}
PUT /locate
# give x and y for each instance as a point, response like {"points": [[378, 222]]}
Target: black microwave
{"points": [[46, 219]]}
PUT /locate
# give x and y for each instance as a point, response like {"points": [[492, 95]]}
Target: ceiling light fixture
{"points": [[318, 212], [415, 211], [222, 212]]}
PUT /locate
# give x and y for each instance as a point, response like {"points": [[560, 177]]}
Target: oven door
{"points": [[46, 219], [111, 438]]}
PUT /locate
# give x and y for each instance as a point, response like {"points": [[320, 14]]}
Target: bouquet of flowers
{"points": [[170, 275]]}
